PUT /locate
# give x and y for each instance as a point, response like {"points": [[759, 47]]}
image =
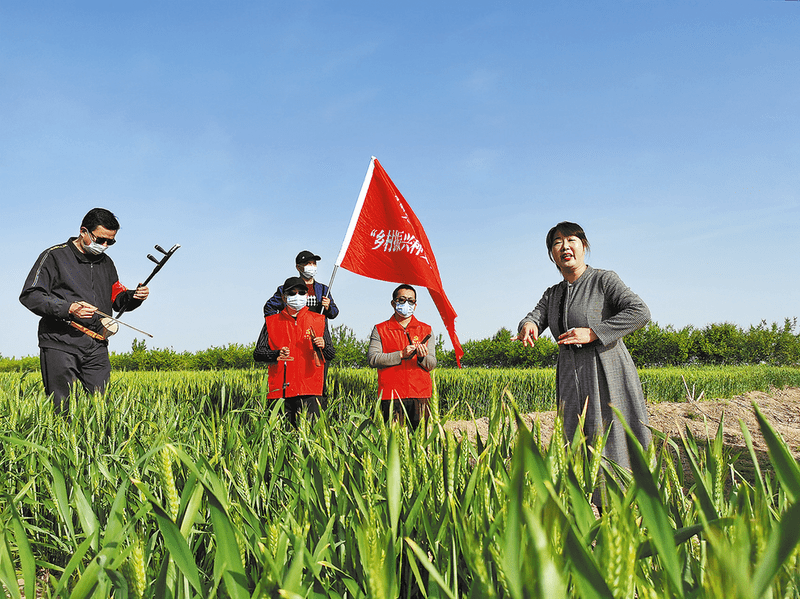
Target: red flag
{"points": [[386, 241]]}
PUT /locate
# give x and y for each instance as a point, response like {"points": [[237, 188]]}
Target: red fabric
{"points": [[302, 374], [389, 244], [116, 289], [407, 379]]}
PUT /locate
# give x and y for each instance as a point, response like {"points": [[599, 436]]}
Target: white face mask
{"points": [[404, 310], [309, 271], [296, 302], [94, 248]]}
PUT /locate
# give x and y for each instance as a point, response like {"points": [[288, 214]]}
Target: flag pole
{"points": [[353, 221]]}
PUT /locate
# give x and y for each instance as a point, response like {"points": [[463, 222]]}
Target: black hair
{"points": [[566, 229], [403, 286], [100, 217]]}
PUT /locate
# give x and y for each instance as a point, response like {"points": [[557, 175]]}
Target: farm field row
{"points": [[462, 393]]}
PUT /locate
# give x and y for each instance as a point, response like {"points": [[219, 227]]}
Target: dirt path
{"points": [[781, 407]]}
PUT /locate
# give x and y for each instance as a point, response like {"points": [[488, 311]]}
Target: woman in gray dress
{"points": [[588, 313]]}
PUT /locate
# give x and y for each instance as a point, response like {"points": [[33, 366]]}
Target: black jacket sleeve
{"points": [[262, 352], [127, 301], [36, 293], [329, 351]]}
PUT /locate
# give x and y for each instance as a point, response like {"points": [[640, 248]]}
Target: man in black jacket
{"points": [[67, 286], [318, 297]]}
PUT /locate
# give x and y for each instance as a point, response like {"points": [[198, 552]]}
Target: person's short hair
{"points": [[566, 229], [100, 217], [403, 286]]}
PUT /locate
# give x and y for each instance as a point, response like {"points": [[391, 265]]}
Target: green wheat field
{"points": [[190, 484]]}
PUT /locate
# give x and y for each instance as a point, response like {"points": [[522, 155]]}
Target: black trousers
{"points": [[415, 407], [311, 403], [61, 369]]}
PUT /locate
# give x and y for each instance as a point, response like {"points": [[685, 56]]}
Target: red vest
{"points": [[303, 376], [407, 379]]}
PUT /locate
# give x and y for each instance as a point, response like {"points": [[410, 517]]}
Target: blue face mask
{"points": [[404, 310]]}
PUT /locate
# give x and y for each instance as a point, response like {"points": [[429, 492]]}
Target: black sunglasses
{"points": [[101, 240], [296, 291]]}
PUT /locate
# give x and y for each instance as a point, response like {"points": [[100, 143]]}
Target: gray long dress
{"points": [[603, 370]]}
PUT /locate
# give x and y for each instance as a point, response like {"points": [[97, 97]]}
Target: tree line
{"points": [[651, 346], [723, 344]]}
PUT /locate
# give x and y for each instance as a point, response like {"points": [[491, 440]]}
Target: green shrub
{"points": [[350, 352], [653, 346]]}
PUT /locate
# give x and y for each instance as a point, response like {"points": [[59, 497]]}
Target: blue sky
{"points": [[243, 130]]}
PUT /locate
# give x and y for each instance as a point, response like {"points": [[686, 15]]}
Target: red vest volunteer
{"points": [[408, 378], [305, 374]]}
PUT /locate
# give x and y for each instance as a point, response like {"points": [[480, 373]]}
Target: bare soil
{"points": [[781, 407]]}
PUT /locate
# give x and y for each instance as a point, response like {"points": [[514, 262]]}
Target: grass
{"points": [[462, 393], [158, 490]]}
